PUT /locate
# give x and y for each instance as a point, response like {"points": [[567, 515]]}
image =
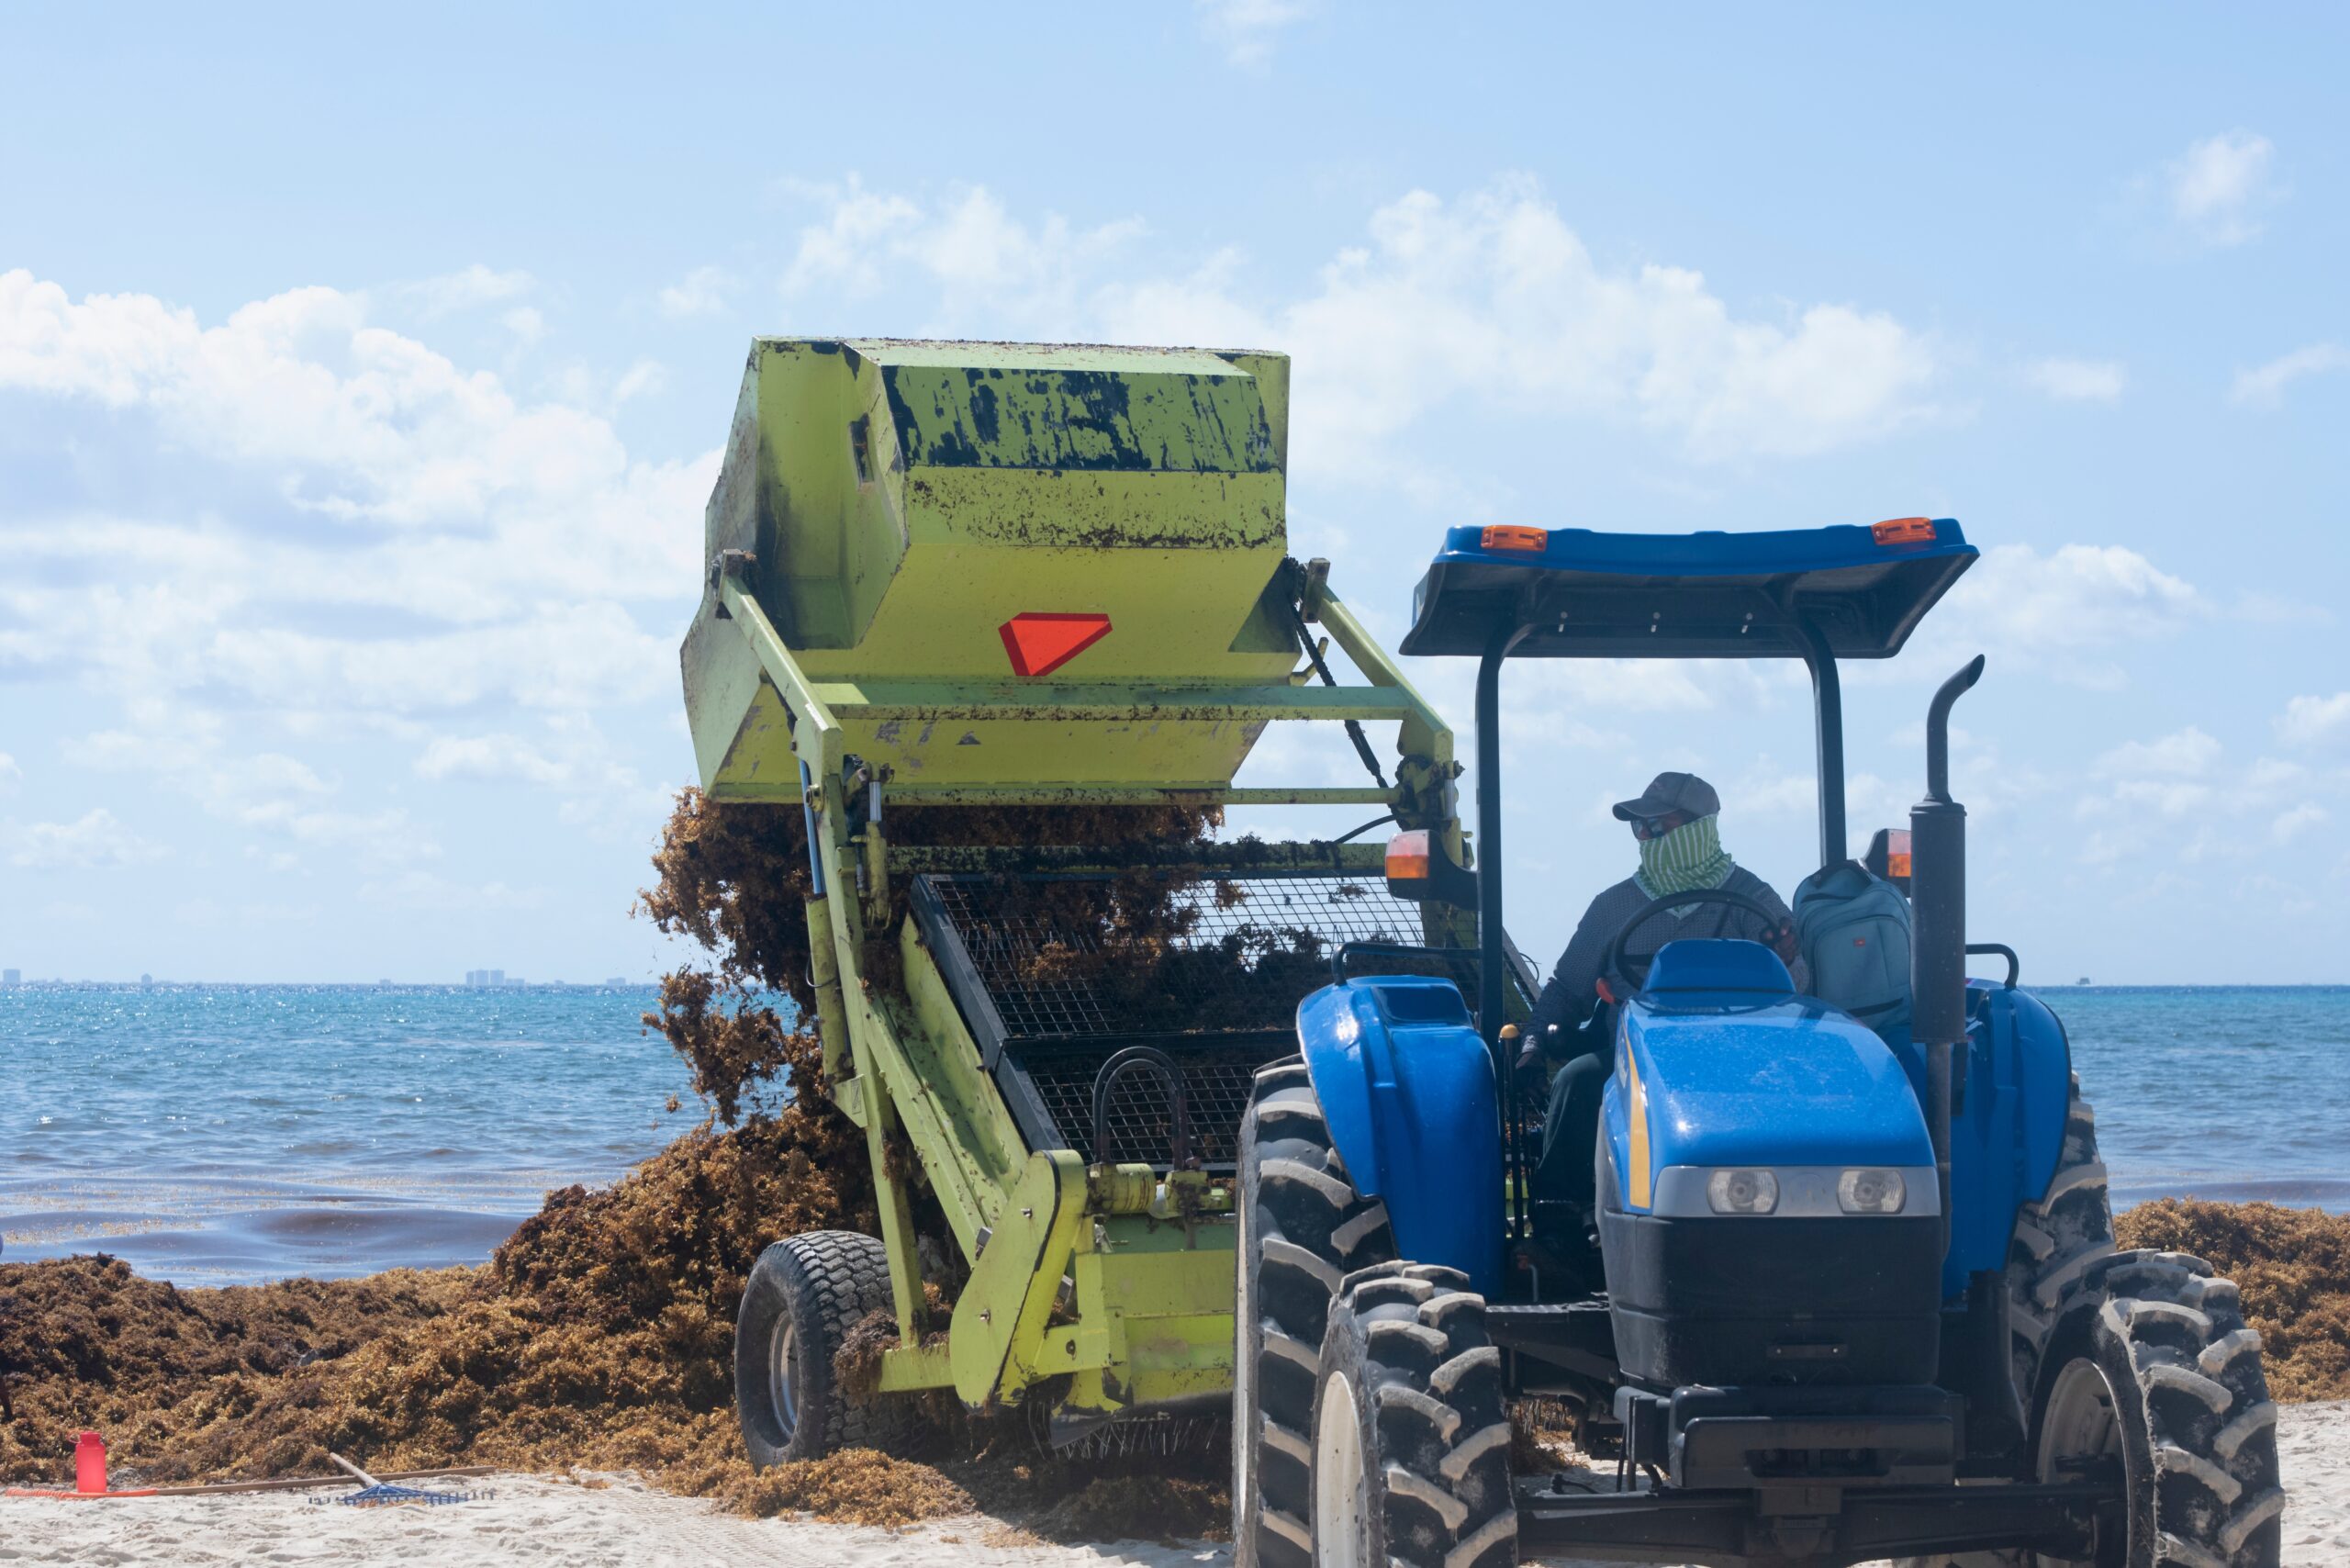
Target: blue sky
{"points": [[361, 382]]}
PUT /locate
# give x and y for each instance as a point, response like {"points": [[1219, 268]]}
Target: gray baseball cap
{"points": [[1672, 792]]}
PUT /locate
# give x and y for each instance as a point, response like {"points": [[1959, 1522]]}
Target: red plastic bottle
{"points": [[90, 1463]]}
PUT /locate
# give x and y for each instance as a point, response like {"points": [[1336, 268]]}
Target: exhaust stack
{"points": [[1937, 911]]}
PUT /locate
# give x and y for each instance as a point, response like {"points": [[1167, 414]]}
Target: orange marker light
{"points": [[1905, 531], [1407, 856], [1515, 536], [1896, 853]]}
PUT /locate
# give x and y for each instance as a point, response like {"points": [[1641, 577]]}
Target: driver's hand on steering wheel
{"points": [[1783, 942]]}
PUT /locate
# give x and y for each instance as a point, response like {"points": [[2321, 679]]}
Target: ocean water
{"points": [[224, 1134], [219, 1135]]}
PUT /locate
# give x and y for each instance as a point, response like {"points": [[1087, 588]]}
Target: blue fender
{"points": [[1407, 1091], [2008, 1131]]}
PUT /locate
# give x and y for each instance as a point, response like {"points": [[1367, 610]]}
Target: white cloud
{"points": [[976, 255], [1486, 302], [525, 322], [474, 287], [2061, 612], [351, 532], [601, 793], [369, 474], [2265, 387], [10, 773], [1245, 30], [2174, 794], [497, 757], [425, 890], [2290, 825], [1491, 299], [2079, 380], [642, 379], [2311, 720], [2221, 184], [705, 291], [2189, 753], [94, 839]]}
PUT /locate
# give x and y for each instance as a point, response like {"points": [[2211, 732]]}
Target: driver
{"points": [[1676, 821]]}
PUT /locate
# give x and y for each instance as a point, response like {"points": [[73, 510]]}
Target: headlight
{"points": [[1871, 1192], [1743, 1192]]}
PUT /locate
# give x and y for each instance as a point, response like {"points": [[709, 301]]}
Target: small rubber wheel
{"points": [[804, 1295]]}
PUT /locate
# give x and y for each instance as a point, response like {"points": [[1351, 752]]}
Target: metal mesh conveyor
{"points": [[1054, 974]]}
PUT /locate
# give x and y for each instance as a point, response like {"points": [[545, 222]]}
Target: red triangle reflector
{"points": [[1040, 642]]}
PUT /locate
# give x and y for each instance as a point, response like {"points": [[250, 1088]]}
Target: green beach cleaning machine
{"points": [[1246, 1128]]}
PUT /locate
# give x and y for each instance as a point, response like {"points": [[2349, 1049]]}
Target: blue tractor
{"points": [[1855, 1294]]}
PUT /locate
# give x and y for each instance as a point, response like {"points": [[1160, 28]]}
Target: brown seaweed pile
{"points": [[599, 1338], [2293, 1266]]}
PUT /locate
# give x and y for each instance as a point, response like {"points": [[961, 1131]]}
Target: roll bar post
{"points": [[1828, 721]]}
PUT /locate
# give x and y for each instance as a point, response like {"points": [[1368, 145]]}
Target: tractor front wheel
{"points": [[2163, 1378], [803, 1296], [1411, 1427]]}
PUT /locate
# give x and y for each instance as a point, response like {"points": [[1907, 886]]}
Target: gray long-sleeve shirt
{"points": [[1571, 992]]}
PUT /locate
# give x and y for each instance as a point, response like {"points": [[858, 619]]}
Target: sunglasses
{"points": [[1657, 827]]}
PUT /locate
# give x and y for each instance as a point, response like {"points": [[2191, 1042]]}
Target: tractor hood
{"points": [[1734, 1077]]}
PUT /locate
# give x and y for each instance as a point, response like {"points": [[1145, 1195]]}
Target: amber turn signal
{"points": [[1407, 856], [1905, 531], [1515, 536]]}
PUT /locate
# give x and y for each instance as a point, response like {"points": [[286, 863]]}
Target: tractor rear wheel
{"points": [[2153, 1367], [803, 1296], [2057, 1240], [1302, 1228], [1412, 1427]]}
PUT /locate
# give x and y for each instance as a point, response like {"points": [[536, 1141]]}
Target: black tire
{"points": [[2057, 1240], [1302, 1228], [2152, 1351], [804, 1295], [1412, 1427]]}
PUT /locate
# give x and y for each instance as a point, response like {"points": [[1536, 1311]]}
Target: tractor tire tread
{"points": [[1435, 1408], [1304, 1229], [2200, 1397], [2058, 1238]]}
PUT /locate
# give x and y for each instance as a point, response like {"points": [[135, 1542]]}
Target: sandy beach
{"points": [[537, 1522]]}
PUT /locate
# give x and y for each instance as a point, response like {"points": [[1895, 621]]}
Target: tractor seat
{"points": [[1710, 970]]}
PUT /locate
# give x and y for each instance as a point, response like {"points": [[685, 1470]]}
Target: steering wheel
{"points": [[1611, 966]]}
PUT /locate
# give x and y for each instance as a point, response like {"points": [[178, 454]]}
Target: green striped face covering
{"points": [[1689, 858]]}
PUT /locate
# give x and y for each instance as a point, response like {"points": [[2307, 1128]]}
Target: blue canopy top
{"points": [[1850, 592]]}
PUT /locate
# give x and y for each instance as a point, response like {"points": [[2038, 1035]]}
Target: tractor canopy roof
{"points": [[1847, 592]]}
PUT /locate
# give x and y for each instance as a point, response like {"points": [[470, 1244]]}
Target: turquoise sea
{"points": [[222, 1134]]}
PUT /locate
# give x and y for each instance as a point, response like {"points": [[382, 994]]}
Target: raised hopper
{"points": [[1005, 571]]}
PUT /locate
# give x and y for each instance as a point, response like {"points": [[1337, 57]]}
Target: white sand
{"points": [[538, 1523]]}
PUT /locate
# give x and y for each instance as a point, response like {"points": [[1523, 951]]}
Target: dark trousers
{"points": [[1571, 1133]]}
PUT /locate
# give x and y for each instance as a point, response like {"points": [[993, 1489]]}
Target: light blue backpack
{"points": [[1853, 928]]}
